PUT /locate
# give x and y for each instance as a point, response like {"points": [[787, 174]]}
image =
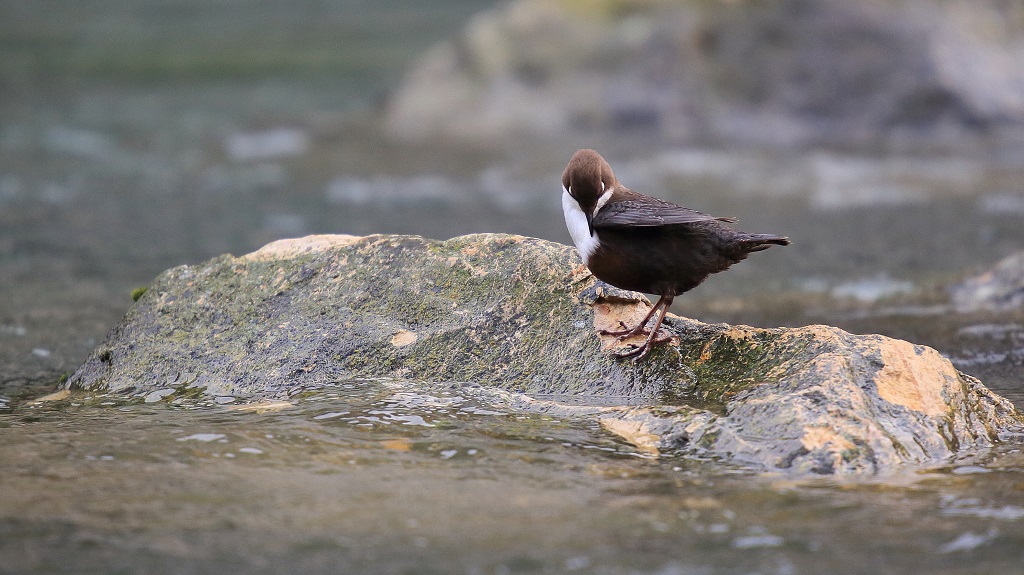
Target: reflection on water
{"points": [[372, 477]]}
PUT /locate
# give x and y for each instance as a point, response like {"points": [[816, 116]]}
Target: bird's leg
{"points": [[627, 332], [638, 353]]}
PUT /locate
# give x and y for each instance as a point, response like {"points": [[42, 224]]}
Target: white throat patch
{"points": [[576, 221], [607, 195]]}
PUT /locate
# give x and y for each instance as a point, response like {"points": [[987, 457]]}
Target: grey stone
{"points": [[998, 289], [519, 317]]}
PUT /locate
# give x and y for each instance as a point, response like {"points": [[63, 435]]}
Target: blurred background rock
{"points": [[877, 75], [886, 138]]}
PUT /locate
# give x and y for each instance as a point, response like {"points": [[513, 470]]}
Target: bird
{"points": [[642, 243]]}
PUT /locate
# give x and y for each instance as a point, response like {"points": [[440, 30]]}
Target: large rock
{"points": [[788, 72], [519, 315]]}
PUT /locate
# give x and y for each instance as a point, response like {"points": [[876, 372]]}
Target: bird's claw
{"points": [[634, 351], [626, 332], [638, 352]]}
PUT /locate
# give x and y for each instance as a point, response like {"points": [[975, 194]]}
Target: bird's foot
{"points": [[626, 332], [638, 352]]}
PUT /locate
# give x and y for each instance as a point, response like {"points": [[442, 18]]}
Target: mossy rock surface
{"points": [[521, 315]]}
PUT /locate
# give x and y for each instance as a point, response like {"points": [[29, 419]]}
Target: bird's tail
{"points": [[758, 242]]}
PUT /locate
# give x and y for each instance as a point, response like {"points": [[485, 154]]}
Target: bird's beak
{"points": [[590, 224]]}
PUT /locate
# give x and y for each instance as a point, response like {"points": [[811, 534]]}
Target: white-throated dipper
{"points": [[644, 244]]}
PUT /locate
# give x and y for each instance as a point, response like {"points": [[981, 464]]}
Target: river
{"points": [[143, 152]]}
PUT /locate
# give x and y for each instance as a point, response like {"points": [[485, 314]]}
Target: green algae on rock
{"points": [[521, 315], [493, 309]]}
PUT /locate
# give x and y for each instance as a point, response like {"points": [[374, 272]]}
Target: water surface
{"points": [[370, 477]]}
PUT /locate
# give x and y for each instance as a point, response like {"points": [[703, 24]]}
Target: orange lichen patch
{"points": [[399, 444], [404, 338], [295, 247], [914, 380], [705, 352], [635, 432]]}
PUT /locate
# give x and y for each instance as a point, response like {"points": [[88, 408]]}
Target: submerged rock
{"points": [[998, 289], [521, 315]]}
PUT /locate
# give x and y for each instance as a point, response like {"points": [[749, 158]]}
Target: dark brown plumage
{"points": [[645, 244]]}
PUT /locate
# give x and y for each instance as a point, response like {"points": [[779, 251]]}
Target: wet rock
{"points": [[519, 316], [792, 72], [999, 289]]}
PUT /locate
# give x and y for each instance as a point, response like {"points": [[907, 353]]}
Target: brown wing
{"points": [[648, 212]]}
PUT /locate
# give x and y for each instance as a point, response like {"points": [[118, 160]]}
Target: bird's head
{"points": [[589, 180]]}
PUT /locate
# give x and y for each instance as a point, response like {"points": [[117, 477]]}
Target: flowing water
{"points": [[120, 163], [368, 477]]}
